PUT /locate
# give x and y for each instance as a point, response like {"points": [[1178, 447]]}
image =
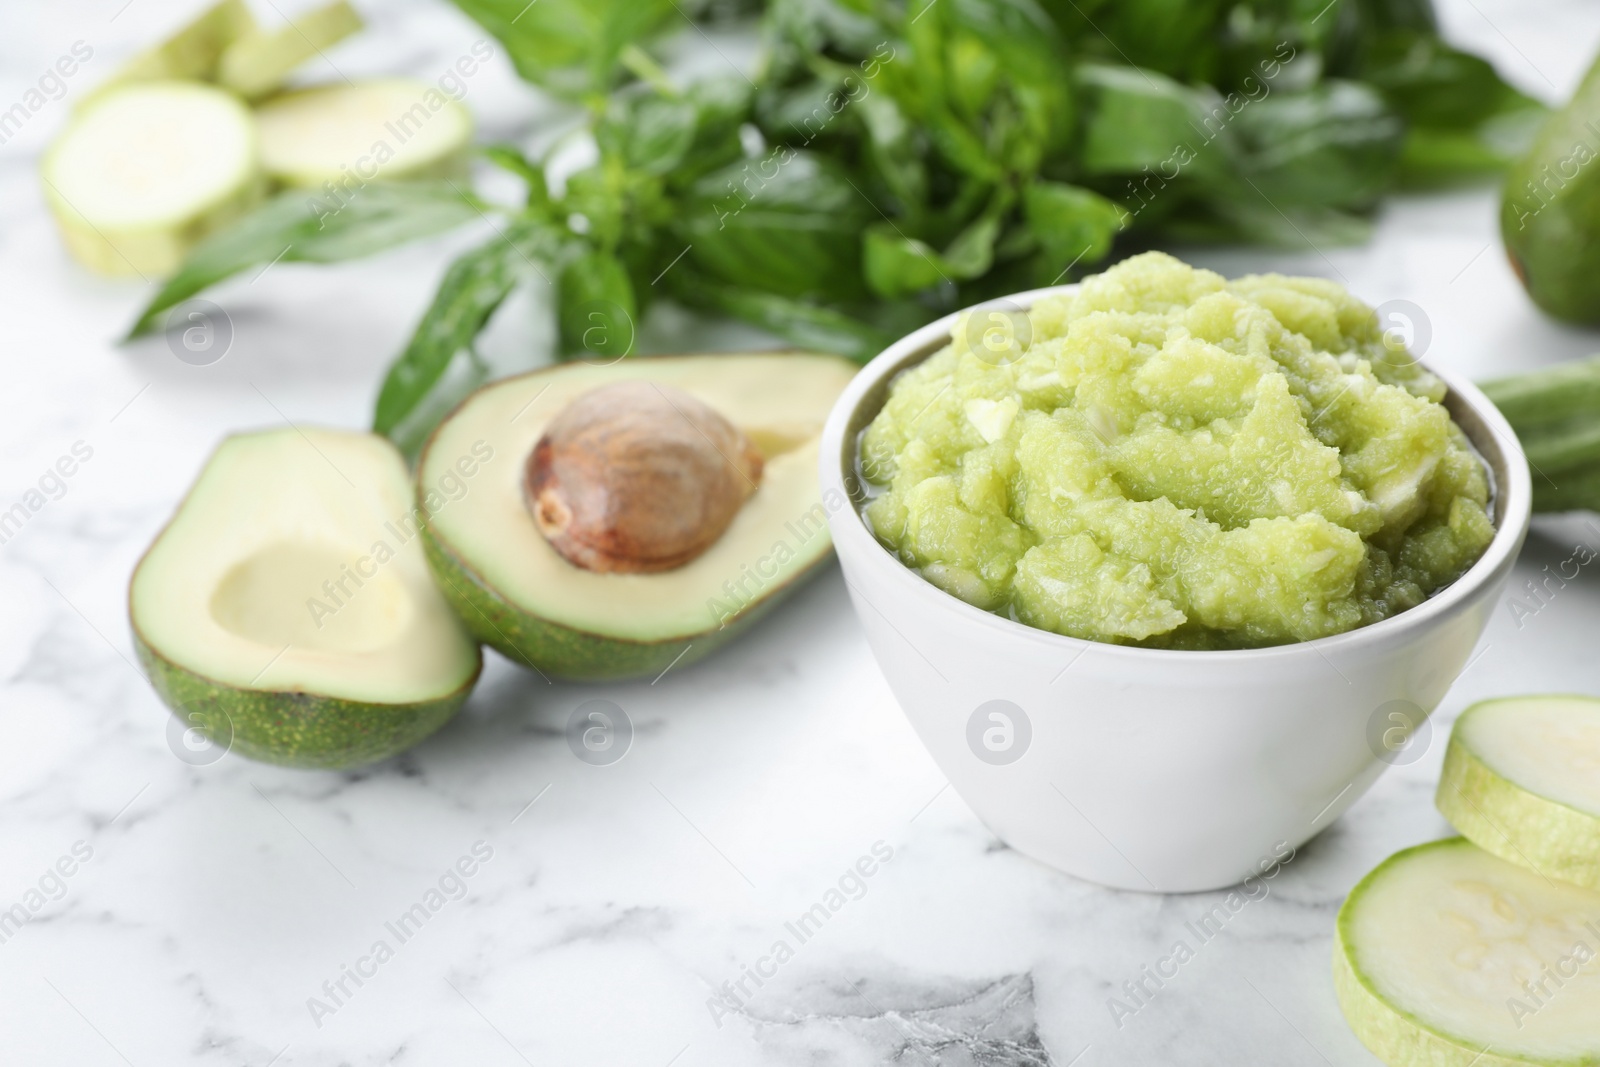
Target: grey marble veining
{"points": [[223, 914]]}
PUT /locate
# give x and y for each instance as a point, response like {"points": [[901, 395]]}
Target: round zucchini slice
{"points": [[257, 63], [1522, 780], [387, 128], [1447, 956], [189, 54], [148, 170]]}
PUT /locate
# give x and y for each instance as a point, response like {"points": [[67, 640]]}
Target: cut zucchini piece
{"points": [[1447, 956], [388, 128], [148, 170], [288, 603], [191, 54], [1522, 780], [258, 62]]}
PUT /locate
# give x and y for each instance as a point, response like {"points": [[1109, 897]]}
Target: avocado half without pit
{"points": [[634, 516], [286, 611]]}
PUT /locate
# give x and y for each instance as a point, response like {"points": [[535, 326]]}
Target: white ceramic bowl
{"points": [[1150, 769]]}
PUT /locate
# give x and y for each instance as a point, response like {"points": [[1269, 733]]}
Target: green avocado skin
{"points": [[295, 729], [558, 651], [1550, 211]]}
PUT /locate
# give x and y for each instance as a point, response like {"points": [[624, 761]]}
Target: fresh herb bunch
{"points": [[892, 161]]}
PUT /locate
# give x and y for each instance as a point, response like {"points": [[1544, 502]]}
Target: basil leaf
{"points": [[596, 310], [473, 287], [572, 48], [789, 222], [1336, 145], [1177, 37], [1431, 84], [808, 326], [972, 251], [1017, 30], [1415, 14], [722, 105], [510, 159], [974, 74], [1251, 218], [1434, 158], [801, 29], [964, 149], [1140, 119], [1072, 225], [1463, 121], [297, 225], [461, 377], [897, 265], [647, 132], [894, 152]]}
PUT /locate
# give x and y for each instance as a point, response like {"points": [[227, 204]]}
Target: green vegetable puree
{"points": [[1171, 459]]}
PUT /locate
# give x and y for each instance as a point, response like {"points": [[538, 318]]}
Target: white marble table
{"points": [[211, 909]]}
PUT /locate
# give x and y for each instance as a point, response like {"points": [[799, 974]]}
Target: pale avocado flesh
{"points": [[287, 609], [517, 595]]}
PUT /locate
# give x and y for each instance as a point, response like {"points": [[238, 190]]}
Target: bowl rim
{"points": [[1511, 486]]}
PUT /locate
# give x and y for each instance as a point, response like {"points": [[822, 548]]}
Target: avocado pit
{"points": [[636, 477]]}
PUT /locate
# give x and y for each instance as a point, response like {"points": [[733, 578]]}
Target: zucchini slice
{"points": [[385, 128], [190, 54], [1447, 956], [1522, 780], [257, 63], [148, 170]]}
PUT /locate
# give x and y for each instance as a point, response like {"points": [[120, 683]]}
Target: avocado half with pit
{"points": [[287, 611], [634, 516]]}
